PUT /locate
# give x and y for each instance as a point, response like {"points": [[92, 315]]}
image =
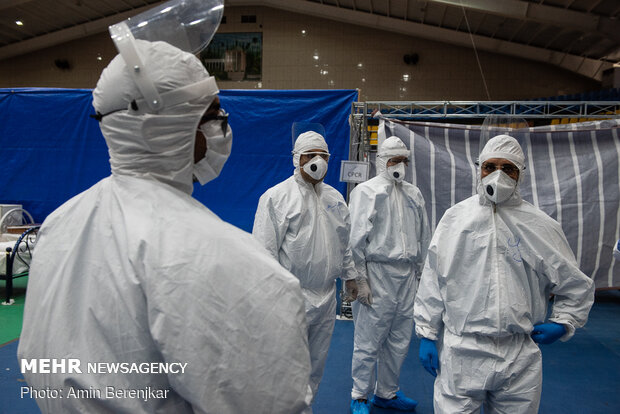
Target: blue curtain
{"points": [[51, 150]]}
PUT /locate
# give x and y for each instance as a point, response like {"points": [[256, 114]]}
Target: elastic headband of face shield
{"points": [[503, 146], [186, 24], [187, 93]]}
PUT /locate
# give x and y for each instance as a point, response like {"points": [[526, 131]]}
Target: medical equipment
{"points": [[18, 235]]}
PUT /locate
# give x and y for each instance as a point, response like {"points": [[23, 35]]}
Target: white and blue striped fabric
{"points": [[572, 173]]}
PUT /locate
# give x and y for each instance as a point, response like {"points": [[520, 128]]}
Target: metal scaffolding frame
{"points": [[479, 109]]}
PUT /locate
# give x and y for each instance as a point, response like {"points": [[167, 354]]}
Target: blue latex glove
{"points": [[429, 356], [548, 333]]}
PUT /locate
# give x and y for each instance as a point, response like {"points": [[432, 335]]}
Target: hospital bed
{"points": [[18, 235]]}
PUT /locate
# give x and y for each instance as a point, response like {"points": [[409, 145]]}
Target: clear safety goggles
{"points": [[312, 154]]}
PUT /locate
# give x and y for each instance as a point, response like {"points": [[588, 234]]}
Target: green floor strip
{"points": [[11, 316]]}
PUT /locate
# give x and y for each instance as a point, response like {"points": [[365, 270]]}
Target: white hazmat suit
{"points": [[389, 238], [306, 228], [136, 271], [487, 280]]}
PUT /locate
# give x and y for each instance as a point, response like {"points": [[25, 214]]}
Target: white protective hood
{"points": [[502, 146], [305, 142], [162, 144], [390, 148]]}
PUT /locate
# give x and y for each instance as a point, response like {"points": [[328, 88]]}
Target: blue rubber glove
{"points": [[548, 333], [429, 356]]}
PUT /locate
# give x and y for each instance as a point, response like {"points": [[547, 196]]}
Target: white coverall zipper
{"points": [[320, 217], [497, 269], [402, 225]]}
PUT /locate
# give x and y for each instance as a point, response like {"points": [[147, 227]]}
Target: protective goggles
{"points": [[220, 116], [491, 167], [324, 155]]}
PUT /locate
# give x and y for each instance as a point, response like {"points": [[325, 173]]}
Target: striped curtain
{"points": [[572, 174]]}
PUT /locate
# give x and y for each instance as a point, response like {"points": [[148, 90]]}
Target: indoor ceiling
{"points": [[579, 35]]}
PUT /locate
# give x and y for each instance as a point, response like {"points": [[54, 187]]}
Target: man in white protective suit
{"points": [[481, 307], [135, 271], [389, 238], [304, 224]]}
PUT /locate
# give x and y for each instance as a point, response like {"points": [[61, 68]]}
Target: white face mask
{"points": [[498, 186], [219, 146], [316, 167], [397, 172]]}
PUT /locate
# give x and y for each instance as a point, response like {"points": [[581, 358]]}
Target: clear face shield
{"points": [[492, 126], [300, 127], [187, 24]]}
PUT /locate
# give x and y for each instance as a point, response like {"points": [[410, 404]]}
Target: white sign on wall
{"points": [[354, 171]]}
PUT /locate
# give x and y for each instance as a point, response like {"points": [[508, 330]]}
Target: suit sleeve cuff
{"points": [[426, 332], [570, 329]]}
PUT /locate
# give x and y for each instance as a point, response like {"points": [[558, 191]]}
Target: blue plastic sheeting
{"points": [[51, 150]]}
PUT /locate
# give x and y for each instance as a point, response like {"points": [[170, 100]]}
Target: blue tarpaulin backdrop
{"points": [[51, 150]]}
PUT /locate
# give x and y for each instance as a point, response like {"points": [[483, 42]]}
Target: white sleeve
{"points": [[269, 225], [362, 211], [573, 290], [349, 271], [428, 307], [425, 236]]}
